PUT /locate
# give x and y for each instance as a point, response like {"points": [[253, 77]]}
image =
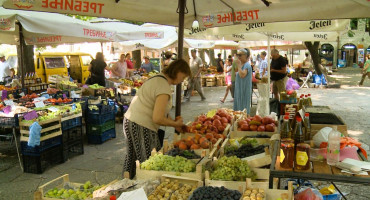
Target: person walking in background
{"points": [[220, 63], [97, 70], [243, 82], [148, 110], [4, 67], [119, 69], [196, 66], [365, 70], [278, 73], [228, 68], [263, 65], [234, 69], [167, 59], [147, 66]]}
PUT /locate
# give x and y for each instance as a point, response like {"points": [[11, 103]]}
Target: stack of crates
{"points": [[72, 136], [50, 151], [101, 122]]}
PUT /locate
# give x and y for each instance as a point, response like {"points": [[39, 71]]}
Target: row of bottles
{"points": [[293, 148], [304, 101], [31, 78]]}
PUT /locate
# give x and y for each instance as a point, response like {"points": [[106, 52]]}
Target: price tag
{"points": [[39, 99], [64, 96], [9, 102], [7, 109], [73, 106], [74, 95], [39, 104], [31, 115], [53, 109], [22, 94], [4, 94]]}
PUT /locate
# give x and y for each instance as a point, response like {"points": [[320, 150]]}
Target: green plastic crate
{"points": [[99, 129]]}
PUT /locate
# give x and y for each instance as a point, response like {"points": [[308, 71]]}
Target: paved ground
{"points": [[103, 163]]}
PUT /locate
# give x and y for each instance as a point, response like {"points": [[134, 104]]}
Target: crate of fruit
{"points": [[50, 128], [63, 188], [256, 127], [231, 172], [159, 164], [102, 108], [258, 190], [176, 187], [93, 129]]}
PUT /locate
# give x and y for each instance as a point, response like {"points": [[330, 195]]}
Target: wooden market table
{"points": [[319, 171]]}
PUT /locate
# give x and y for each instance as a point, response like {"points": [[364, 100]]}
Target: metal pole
{"points": [[180, 52], [268, 68], [21, 45]]}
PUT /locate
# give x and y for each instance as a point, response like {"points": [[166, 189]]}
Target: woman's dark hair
{"points": [[168, 54], [219, 55], [99, 56], [177, 66]]}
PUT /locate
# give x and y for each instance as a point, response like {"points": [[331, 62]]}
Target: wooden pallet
{"points": [[145, 174], [41, 191], [48, 125]]}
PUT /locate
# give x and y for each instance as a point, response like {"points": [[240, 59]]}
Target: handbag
{"points": [[161, 134]]}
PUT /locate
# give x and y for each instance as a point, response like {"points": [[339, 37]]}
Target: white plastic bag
{"points": [[321, 136]]}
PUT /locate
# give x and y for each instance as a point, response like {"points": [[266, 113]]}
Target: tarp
{"points": [[51, 28], [209, 13]]}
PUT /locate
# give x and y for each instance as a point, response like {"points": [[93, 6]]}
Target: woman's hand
{"points": [[179, 124]]}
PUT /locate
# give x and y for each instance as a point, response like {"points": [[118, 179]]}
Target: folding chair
{"points": [[305, 80]]}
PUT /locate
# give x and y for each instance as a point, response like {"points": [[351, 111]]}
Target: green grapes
{"points": [[160, 162], [232, 169], [85, 191]]}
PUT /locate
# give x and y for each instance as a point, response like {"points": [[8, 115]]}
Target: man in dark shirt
{"points": [[278, 73]]}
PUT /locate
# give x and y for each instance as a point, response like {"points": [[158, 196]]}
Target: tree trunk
{"points": [[212, 59], [136, 56], [314, 51], [28, 60]]}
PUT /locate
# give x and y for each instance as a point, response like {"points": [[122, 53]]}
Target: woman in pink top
{"points": [[130, 64]]}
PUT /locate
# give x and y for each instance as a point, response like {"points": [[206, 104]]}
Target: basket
{"points": [[72, 135], [99, 118], [100, 139], [38, 164], [44, 145], [99, 129], [73, 149]]}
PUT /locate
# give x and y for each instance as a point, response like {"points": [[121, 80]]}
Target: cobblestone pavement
{"points": [[103, 163]]}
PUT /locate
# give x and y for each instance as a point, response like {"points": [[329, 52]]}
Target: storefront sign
{"points": [[319, 24], [74, 5], [254, 26], [7, 24], [224, 18]]}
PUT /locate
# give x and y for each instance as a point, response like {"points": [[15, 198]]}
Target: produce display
{"points": [[95, 86], [69, 83], [198, 141], [59, 100], [254, 194], [244, 151], [206, 124], [231, 169], [160, 162], [32, 96], [215, 193], [69, 192], [172, 190], [257, 123], [61, 111], [189, 154]]}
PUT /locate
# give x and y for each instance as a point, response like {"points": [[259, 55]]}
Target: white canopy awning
{"points": [[209, 13]]}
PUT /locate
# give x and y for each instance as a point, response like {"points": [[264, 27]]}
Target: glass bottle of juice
{"points": [[305, 102], [307, 127], [286, 131], [300, 103], [302, 156], [287, 153], [298, 132]]}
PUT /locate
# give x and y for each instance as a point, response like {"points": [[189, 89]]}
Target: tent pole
{"points": [[21, 45], [180, 52], [268, 68]]}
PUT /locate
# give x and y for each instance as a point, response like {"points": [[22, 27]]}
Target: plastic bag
{"points": [[321, 136], [306, 193], [292, 84]]}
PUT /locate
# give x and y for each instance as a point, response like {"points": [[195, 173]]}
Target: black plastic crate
{"points": [[44, 145], [72, 135], [93, 129], [9, 121], [101, 108], [100, 118], [100, 139], [73, 149], [48, 158], [71, 123]]}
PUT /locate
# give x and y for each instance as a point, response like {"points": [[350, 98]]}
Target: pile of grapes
{"points": [[85, 191], [160, 162], [189, 154], [215, 193], [231, 169], [245, 150]]}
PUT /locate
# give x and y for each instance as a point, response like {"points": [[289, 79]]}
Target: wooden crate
{"points": [[145, 174], [65, 118], [48, 125], [41, 191], [258, 160], [271, 193]]}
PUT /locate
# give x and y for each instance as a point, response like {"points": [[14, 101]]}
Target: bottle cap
{"points": [[113, 197], [286, 116], [306, 95], [298, 119], [307, 114], [309, 95]]}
